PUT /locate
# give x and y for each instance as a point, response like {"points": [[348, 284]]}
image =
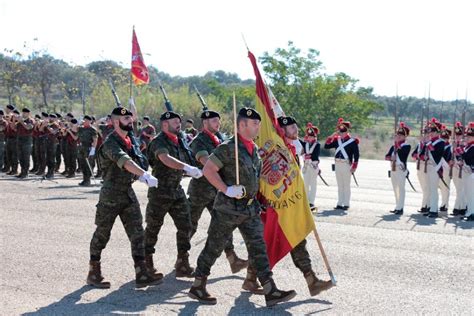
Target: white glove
{"points": [[92, 151], [149, 180], [194, 172], [235, 191]]}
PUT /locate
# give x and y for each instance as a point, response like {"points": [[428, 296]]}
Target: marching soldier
{"points": [[419, 154], [166, 154], [41, 142], [87, 145], [346, 160], [24, 128], [398, 155], [70, 148], [202, 194], [52, 131], [147, 132], [117, 198], [3, 127], [59, 144], [12, 141], [236, 207], [35, 149], [460, 204], [311, 150], [468, 166], [445, 161], [300, 254], [434, 151]]}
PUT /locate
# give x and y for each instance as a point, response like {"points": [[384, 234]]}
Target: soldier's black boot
{"points": [[251, 283], [273, 295], [143, 278], [455, 212], [236, 264], [315, 285], [95, 277], [183, 269], [50, 174], [85, 183], [151, 267], [198, 292]]}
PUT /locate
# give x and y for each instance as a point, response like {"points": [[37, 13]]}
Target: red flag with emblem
{"points": [[139, 70]]}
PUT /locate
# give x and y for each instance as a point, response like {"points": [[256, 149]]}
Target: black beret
{"points": [[69, 115], [190, 121], [1, 112], [169, 115], [37, 116], [16, 111], [286, 120], [44, 114], [74, 121], [26, 110], [87, 117], [58, 115], [10, 107], [208, 114], [250, 114], [121, 111], [146, 118], [52, 116]]}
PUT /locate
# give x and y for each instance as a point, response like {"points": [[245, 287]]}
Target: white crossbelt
{"points": [[341, 146], [399, 162], [440, 164], [309, 150]]}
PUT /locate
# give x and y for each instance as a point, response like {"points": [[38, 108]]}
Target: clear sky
{"points": [[383, 43]]}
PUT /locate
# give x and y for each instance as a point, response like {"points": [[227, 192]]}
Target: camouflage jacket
{"points": [[201, 146], [112, 156], [249, 174], [86, 136], [169, 180]]}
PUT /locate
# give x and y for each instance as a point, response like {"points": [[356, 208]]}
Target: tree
{"points": [[312, 96], [11, 73]]}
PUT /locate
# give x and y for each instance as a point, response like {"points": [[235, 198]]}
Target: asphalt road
{"points": [[384, 264]]}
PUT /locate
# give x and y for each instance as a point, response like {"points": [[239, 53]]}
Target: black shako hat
{"points": [[249, 114], [208, 114], [169, 115]]}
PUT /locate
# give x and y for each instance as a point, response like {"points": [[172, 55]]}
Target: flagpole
{"points": [[236, 136], [323, 254]]}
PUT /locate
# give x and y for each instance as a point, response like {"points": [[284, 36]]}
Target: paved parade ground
{"points": [[384, 263]]}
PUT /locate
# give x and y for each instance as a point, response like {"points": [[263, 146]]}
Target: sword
{"points": [[355, 180], [411, 184], [322, 179], [442, 180]]}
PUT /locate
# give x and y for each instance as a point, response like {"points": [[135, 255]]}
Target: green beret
{"points": [[249, 114], [169, 115]]}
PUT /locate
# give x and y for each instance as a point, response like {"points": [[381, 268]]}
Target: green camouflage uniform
{"points": [[229, 214], [3, 125], [168, 197], [86, 138], [201, 193], [117, 198], [24, 145], [51, 146]]}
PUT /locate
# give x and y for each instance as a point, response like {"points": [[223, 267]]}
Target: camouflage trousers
{"points": [[2, 153], [11, 153], [24, 146], [300, 257], [83, 157], [197, 205], [221, 227], [70, 157], [50, 146], [40, 152], [124, 205], [178, 209]]}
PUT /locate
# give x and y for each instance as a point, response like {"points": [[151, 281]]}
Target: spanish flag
{"points": [[287, 218], [139, 71]]}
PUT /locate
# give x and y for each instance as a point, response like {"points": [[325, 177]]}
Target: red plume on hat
{"points": [[470, 129], [403, 129], [458, 128], [311, 130], [342, 123]]}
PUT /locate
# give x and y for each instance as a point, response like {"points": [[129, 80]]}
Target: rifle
{"points": [[181, 142], [83, 98], [203, 103], [136, 153]]}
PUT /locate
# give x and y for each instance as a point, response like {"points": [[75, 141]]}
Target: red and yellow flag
{"points": [[139, 71], [287, 218]]}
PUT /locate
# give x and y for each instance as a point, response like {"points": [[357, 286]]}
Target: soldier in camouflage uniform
{"points": [[201, 192], [11, 143], [24, 128], [52, 131], [3, 127], [166, 154], [117, 198], [300, 254], [34, 149], [86, 151], [41, 143], [70, 148], [235, 207]]}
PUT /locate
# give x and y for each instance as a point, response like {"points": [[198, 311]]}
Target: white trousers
{"points": [[445, 190], [460, 202], [343, 179], [468, 181], [433, 184], [398, 178], [423, 179], [310, 177]]}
